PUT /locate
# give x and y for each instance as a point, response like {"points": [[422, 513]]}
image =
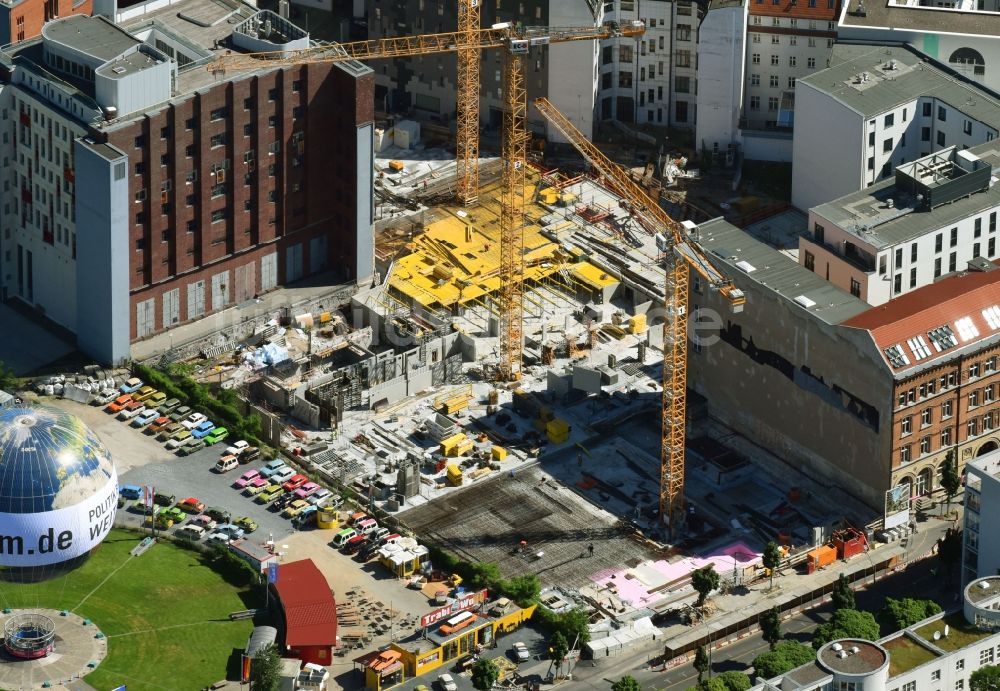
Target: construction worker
{"points": [[590, 549]]}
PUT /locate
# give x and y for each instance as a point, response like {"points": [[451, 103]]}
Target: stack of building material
{"points": [[557, 430], [498, 453], [454, 474], [449, 446], [624, 640]]}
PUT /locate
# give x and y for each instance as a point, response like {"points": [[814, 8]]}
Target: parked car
{"points": [[219, 514], [341, 538], [105, 397], [447, 682], [256, 486], [294, 508], [203, 521], [170, 406], [131, 409], [318, 497], [191, 532], [354, 544], [392, 537], [145, 417], [237, 448], [249, 454], [164, 499], [269, 494], [281, 502], [294, 482], [283, 476], [520, 652], [202, 429], [131, 385], [306, 518], [191, 446], [227, 463], [369, 551], [248, 524], [233, 531], [191, 505], [130, 491], [218, 538], [156, 399], [161, 520], [193, 420], [272, 467], [307, 490], [143, 393], [216, 435], [169, 430], [174, 514], [367, 526], [246, 477], [180, 413], [158, 425], [379, 534], [117, 405], [180, 437]]}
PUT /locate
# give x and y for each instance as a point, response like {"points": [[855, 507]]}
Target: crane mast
{"points": [[467, 104], [681, 253]]}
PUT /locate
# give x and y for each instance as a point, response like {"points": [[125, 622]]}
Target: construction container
{"points": [[397, 166], [549, 196], [406, 134], [324, 317], [820, 557], [637, 324], [498, 453], [454, 475], [849, 542], [449, 445], [463, 447], [557, 431], [454, 405]]}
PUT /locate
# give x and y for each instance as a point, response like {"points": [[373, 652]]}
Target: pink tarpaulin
{"points": [[652, 580]]}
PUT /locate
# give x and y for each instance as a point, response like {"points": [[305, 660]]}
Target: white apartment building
{"points": [[721, 58], [936, 216], [874, 109], [940, 652], [981, 548], [652, 82]]}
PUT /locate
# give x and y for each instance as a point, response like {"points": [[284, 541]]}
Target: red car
{"points": [[117, 405], [294, 482], [191, 505]]}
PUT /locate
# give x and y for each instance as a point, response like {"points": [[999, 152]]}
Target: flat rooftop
{"points": [[909, 78], [906, 654], [983, 589], [854, 656], [738, 253], [879, 14], [867, 215], [961, 633], [94, 36]]}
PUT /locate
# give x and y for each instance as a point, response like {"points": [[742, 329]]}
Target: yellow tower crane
{"points": [[517, 42], [681, 252], [467, 104]]}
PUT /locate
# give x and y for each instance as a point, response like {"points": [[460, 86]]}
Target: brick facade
{"points": [[24, 20]]}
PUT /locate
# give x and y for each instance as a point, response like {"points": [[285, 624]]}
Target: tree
{"points": [[575, 626], [843, 594], [711, 684], [846, 623], [266, 669], [899, 614], [485, 674], [8, 380], [626, 683], [786, 656], [733, 680], [524, 590], [770, 627], [950, 479], [771, 559], [482, 574], [558, 647], [701, 663], [704, 580], [949, 549], [986, 678]]}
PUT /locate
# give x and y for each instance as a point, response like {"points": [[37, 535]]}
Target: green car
{"points": [[180, 413], [170, 406], [217, 434], [248, 524], [270, 493], [192, 446], [174, 514]]}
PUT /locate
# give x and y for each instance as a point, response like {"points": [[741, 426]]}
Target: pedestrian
{"points": [[590, 548]]}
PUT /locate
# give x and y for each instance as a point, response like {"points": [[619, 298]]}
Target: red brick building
{"points": [[23, 19]]}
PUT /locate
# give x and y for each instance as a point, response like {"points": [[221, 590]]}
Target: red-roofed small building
{"points": [[310, 612]]}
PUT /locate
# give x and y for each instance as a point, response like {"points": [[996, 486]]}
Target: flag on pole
{"points": [[148, 492], [272, 572], [246, 669]]}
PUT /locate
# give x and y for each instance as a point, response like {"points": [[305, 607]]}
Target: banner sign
{"points": [[460, 605]]}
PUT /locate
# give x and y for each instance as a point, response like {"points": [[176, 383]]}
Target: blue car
{"points": [[202, 430], [273, 467], [132, 385], [130, 491]]}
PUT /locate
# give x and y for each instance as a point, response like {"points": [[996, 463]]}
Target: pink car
{"points": [[306, 490], [202, 521], [256, 486], [245, 478]]}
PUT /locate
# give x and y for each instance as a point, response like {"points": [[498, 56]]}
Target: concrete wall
{"points": [[364, 267], [572, 69], [721, 54], [767, 146], [102, 213], [827, 158]]}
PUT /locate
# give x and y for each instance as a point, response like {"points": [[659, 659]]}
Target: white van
{"points": [[226, 464], [341, 538], [367, 526], [191, 532]]}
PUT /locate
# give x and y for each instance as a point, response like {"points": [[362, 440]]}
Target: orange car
{"points": [[158, 425], [117, 405]]}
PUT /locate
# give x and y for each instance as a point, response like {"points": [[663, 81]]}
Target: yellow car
{"points": [[155, 399], [295, 508], [143, 393]]}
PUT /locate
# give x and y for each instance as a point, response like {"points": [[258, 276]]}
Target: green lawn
{"points": [[905, 655], [165, 614], [960, 632]]}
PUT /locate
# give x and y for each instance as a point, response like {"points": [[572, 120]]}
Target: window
{"points": [[974, 370], [977, 228], [913, 277], [971, 428], [926, 417], [988, 394], [990, 365], [973, 399], [218, 215], [247, 103], [987, 422], [946, 437], [684, 58], [774, 81], [954, 237], [624, 53], [811, 62], [791, 61], [140, 195], [682, 85], [791, 82], [755, 103], [937, 267], [218, 113], [993, 222], [959, 665], [967, 127], [772, 103], [756, 37], [855, 288], [952, 261], [889, 120], [272, 121], [810, 262], [140, 218], [946, 408], [625, 80], [272, 94], [218, 140], [297, 86], [940, 138], [140, 244], [774, 60], [140, 142], [992, 248], [938, 242], [904, 454], [218, 190], [871, 163], [926, 110], [897, 284], [936, 675], [906, 426], [887, 145], [960, 684], [140, 168], [775, 40], [925, 445], [755, 58]]}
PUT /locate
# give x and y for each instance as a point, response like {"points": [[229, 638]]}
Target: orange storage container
{"points": [[820, 557]]}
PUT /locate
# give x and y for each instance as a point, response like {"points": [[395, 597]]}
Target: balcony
{"points": [[849, 253]]}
